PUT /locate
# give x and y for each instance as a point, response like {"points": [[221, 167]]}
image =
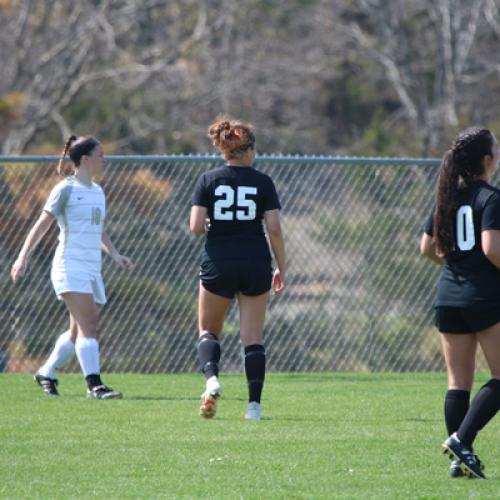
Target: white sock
{"points": [[87, 351], [63, 351]]}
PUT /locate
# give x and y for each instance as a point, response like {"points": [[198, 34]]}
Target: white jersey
{"points": [[80, 211]]}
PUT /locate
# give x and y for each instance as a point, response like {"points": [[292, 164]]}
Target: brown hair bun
{"points": [[231, 137]]}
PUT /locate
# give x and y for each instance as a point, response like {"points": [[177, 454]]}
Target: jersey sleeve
{"points": [[200, 193], [491, 213], [271, 199], [58, 199], [428, 227]]}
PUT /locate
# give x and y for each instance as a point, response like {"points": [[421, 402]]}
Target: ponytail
{"points": [[446, 204], [61, 168], [461, 165]]}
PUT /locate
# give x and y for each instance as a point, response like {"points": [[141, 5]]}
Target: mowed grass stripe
{"points": [[324, 436]]}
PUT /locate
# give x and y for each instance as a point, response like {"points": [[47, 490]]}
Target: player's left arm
{"points": [[490, 243], [108, 247], [490, 230], [428, 248]]}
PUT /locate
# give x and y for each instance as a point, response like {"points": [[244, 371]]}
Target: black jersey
{"points": [[468, 278], [236, 199]]}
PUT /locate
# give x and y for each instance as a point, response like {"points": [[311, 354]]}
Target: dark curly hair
{"points": [[461, 164]]}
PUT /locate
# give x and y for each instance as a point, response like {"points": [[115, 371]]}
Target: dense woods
{"points": [[360, 77], [342, 77]]}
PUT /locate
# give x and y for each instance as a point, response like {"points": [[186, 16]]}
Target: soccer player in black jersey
{"points": [[229, 205], [463, 234]]}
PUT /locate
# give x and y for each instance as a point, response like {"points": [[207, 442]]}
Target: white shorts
{"points": [[79, 282]]}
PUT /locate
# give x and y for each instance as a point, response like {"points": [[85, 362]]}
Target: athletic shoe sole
{"points": [[104, 393], [455, 470], [39, 380], [208, 406], [466, 470], [248, 417], [117, 395]]}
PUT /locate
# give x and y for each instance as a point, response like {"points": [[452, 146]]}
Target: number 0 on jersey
{"points": [[466, 238]]}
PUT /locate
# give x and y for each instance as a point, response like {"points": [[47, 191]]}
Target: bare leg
{"points": [[489, 340], [211, 312], [84, 312], [85, 315], [252, 318], [460, 356]]}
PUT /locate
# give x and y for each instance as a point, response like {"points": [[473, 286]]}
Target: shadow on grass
{"points": [[173, 398], [158, 398], [422, 420]]}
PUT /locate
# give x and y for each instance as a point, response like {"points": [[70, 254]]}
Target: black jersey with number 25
{"points": [[468, 278], [236, 199]]}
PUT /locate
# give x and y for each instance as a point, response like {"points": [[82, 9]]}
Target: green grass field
{"points": [[324, 436]]}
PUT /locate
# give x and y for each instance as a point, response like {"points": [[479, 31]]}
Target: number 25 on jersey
{"points": [[466, 238], [224, 209]]}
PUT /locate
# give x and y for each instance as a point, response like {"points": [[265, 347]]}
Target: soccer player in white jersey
{"points": [[78, 205]]}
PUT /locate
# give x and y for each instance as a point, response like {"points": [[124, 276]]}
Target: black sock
{"points": [[456, 405], [93, 380], [482, 410], [255, 369], [209, 354]]}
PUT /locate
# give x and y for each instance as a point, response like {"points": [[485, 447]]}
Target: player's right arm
{"points": [[273, 226], [428, 248], [32, 240], [198, 223], [198, 220]]}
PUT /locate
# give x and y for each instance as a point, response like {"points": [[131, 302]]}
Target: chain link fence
{"points": [[359, 296]]}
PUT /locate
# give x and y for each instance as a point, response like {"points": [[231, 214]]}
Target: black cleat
{"points": [[469, 463], [48, 385], [103, 392], [456, 470]]}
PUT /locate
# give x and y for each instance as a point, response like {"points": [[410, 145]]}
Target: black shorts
{"points": [[466, 319], [228, 277]]}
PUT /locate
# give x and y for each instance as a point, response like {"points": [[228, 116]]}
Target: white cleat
{"points": [[213, 392], [253, 411], [213, 387]]}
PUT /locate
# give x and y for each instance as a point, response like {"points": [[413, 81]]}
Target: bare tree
{"points": [[53, 54], [150, 75], [427, 52]]}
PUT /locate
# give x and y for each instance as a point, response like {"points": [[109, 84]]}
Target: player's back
{"points": [[468, 276], [236, 199]]}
